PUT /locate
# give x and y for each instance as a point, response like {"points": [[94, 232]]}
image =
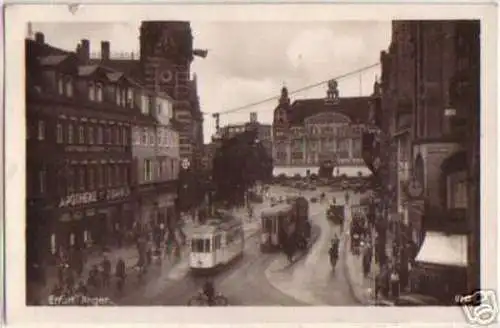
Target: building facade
{"points": [[430, 94], [78, 151], [264, 131], [309, 132], [156, 161]]}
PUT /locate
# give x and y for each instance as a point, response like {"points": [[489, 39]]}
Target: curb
{"points": [[315, 237], [350, 280]]}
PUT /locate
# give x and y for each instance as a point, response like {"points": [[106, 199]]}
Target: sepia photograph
{"points": [[232, 163]]}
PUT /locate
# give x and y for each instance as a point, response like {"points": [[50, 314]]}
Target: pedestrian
{"points": [[394, 281], [367, 259], [120, 274], [106, 271]]}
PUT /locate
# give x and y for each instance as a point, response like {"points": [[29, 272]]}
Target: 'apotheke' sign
{"points": [[94, 196], [78, 199]]}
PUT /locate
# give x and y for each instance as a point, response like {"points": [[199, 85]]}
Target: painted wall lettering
{"points": [[78, 199]]}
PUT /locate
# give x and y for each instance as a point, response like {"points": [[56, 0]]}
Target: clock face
{"points": [[166, 76]]}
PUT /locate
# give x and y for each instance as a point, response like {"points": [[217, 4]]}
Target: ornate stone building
{"points": [[310, 132]]}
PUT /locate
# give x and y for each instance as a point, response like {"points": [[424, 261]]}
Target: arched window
{"points": [[70, 133]]}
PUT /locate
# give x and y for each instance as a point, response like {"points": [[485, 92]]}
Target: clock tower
{"points": [[166, 56]]}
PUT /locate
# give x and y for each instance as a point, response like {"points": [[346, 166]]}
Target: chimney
{"points": [[39, 37], [105, 50], [85, 50]]}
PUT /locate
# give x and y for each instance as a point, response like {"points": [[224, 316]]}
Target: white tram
{"points": [[216, 243]]}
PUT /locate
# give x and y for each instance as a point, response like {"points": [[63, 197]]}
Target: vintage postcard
{"points": [[251, 164]]}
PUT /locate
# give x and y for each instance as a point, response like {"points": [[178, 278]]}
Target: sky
{"points": [[248, 62]]}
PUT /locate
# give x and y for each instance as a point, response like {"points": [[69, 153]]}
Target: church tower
{"points": [[166, 55]]}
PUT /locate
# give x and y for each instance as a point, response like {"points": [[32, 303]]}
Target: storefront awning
{"points": [[441, 249]]}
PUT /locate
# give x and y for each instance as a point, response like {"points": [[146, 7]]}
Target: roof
{"points": [[52, 60], [356, 108], [276, 209], [130, 67], [87, 70]]}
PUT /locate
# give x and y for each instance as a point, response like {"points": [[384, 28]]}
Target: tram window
{"points": [[217, 241], [206, 247], [267, 224], [197, 245]]}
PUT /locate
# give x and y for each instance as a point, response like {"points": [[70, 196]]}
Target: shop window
{"points": [[90, 135], [59, 133], [41, 130], [99, 136], [81, 134], [53, 245], [456, 185]]}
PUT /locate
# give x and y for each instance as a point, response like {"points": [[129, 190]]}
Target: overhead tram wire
{"points": [[310, 86]]}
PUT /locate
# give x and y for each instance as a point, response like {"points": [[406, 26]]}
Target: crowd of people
{"points": [[153, 244]]}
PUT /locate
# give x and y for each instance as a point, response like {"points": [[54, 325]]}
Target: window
{"points": [[100, 176], [118, 96], [59, 133], [91, 178], [68, 86], [159, 138], [42, 181], [148, 170], [457, 190], [124, 136], [108, 135], [110, 175], [81, 178], [137, 137], [91, 91], [144, 105], [145, 137], [90, 135], [41, 130], [81, 134], [124, 97], [70, 179], [99, 135], [99, 88], [200, 245], [116, 139], [125, 175], [118, 175], [60, 86], [164, 169], [130, 98], [151, 138]]}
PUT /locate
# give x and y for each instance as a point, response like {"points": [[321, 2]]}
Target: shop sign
{"points": [[78, 199], [117, 193]]}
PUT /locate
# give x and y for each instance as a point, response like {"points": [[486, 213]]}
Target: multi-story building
{"points": [[264, 131], [309, 132], [78, 150], [155, 151], [430, 87], [164, 63]]}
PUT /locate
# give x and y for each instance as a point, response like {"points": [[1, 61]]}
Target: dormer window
{"points": [[130, 98], [68, 86], [92, 91], [98, 89], [118, 96], [60, 86]]}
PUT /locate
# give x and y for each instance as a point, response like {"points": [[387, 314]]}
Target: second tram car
{"points": [[216, 243], [285, 222]]}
